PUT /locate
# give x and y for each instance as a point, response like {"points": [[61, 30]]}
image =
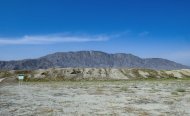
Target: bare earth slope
{"points": [[96, 74]]}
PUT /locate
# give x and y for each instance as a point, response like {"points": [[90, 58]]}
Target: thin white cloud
{"points": [[52, 39], [68, 37]]}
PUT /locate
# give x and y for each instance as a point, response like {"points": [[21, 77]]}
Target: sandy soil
{"points": [[120, 98], [1, 79]]}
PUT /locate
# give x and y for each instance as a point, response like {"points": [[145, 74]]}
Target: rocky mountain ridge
{"points": [[91, 59]]}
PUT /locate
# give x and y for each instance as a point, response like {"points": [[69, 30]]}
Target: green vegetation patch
{"points": [[180, 90]]}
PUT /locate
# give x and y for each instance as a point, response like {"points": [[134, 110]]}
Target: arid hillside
{"points": [[95, 74]]}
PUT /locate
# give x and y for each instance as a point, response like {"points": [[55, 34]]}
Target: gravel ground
{"points": [[120, 98]]}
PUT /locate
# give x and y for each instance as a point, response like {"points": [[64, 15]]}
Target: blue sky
{"points": [[146, 28]]}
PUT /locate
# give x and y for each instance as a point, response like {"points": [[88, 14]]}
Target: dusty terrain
{"points": [[131, 98]]}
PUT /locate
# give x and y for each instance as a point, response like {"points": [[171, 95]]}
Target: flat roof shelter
{"points": [[21, 77]]}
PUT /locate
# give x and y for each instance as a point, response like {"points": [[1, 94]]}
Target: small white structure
{"points": [[20, 76]]}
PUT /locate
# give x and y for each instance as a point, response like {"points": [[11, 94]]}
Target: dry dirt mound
{"points": [[96, 74]]}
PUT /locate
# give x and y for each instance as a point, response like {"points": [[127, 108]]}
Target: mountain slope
{"points": [[90, 59]]}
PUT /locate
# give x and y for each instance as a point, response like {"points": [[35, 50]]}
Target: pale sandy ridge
{"points": [[96, 73]]}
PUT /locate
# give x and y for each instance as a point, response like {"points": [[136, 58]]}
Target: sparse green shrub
{"points": [[44, 73], [26, 78], [152, 73], [75, 72], [171, 76], [5, 74], [99, 90], [136, 73], [180, 90], [124, 88], [174, 93], [23, 72]]}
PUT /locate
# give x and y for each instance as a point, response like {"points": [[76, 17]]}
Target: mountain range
{"points": [[91, 59]]}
